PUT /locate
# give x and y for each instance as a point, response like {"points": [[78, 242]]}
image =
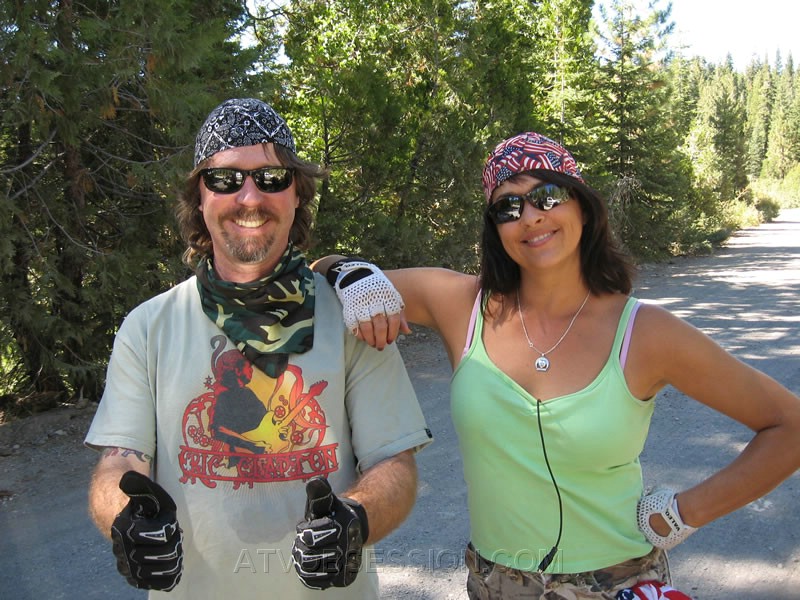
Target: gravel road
{"points": [[746, 296]]}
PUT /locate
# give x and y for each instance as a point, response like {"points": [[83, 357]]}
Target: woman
{"points": [[555, 372]]}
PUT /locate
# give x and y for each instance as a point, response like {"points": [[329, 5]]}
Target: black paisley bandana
{"points": [[267, 319], [241, 122]]}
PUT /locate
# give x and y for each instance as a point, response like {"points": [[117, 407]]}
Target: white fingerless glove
{"points": [[662, 501], [363, 298]]}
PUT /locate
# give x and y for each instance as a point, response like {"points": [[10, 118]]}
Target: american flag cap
{"points": [[526, 152]]}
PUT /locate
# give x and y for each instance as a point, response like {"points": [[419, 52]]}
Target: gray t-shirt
{"points": [[234, 447]]}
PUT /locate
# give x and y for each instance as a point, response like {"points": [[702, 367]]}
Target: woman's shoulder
{"points": [[657, 332], [654, 315]]}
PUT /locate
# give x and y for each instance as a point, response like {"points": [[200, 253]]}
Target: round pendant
{"points": [[542, 364]]}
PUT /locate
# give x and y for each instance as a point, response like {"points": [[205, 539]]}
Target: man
{"points": [[238, 398]]}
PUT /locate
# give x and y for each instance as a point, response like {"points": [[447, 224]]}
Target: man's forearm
{"points": [[387, 492], [106, 500]]}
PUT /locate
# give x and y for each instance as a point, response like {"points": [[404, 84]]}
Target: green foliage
{"points": [[639, 141], [759, 91], [738, 214], [768, 210], [783, 192], [781, 143], [98, 103], [789, 188], [716, 141], [383, 101], [641, 123]]}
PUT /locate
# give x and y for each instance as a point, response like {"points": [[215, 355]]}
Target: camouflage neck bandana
{"points": [[267, 319]]}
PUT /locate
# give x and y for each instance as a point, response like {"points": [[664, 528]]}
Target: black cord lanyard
{"points": [[550, 555]]}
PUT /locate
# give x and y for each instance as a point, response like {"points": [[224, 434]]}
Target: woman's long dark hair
{"points": [[193, 227], [605, 267]]}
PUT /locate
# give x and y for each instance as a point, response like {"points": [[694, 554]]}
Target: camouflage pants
{"points": [[490, 581]]}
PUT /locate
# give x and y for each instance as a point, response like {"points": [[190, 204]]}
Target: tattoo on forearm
{"points": [[145, 458]]}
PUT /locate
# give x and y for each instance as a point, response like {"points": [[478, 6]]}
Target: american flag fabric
{"points": [[525, 152], [652, 590]]}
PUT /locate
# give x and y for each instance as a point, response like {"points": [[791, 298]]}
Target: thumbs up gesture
{"points": [[327, 548], [147, 540]]}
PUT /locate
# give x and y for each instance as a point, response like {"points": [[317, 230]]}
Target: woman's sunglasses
{"points": [[543, 197], [269, 180]]}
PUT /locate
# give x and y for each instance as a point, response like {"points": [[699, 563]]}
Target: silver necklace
{"points": [[543, 363]]}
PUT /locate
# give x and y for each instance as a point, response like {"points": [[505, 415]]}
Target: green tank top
{"points": [[593, 440]]}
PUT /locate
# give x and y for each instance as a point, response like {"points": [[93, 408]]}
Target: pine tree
{"points": [[565, 97], [793, 129], [100, 103], [759, 90], [382, 99], [638, 134], [717, 146], [778, 159]]}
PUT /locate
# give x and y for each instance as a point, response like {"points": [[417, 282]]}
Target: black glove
{"points": [[327, 548], [147, 540]]}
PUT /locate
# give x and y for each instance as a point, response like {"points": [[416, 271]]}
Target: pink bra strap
{"points": [[471, 329], [623, 353]]}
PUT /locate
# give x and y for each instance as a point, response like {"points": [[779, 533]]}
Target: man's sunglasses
{"points": [[269, 180], [543, 197]]}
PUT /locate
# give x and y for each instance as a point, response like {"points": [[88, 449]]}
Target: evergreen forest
{"points": [[401, 100]]}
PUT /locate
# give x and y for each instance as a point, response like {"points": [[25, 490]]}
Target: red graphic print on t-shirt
{"points": [[249, 428]]}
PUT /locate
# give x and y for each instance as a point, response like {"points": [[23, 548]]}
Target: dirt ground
{"points": [[29, 446]]}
